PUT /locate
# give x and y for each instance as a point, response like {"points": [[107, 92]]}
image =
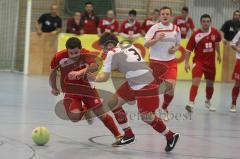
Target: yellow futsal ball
{"points": [[40, 135]]}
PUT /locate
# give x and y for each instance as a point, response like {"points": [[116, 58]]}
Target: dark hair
{"points": [[236, 11], [88, 3], [205, 16], [132, 12], [108, 38], [156, 10], [185, 9], [166, 7], [73, 43]]}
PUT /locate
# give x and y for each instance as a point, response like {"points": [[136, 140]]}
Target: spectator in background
{"points": [[89, 19], [49, 22], [108, 24], [154, 19], [184, 22], [74, 24], [231, 27], [131, 28]]}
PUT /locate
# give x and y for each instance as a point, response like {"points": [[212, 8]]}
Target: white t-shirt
{"points": [[130, 62], [159, 51], [236, 42]]}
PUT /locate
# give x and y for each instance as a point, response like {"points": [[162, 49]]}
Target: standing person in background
{"points": [[131, 28], [74, 24], [236, 73], [108, 24], [89, 19], [205, 43], [149, 22], [163, 39], [231, 27], [184, 22], [49, 22]]}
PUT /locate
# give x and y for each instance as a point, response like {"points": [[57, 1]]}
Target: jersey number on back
{"points": [[133, 55]]}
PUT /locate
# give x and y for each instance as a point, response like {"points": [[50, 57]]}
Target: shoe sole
{"points": [[233, 111], [124, 144]]}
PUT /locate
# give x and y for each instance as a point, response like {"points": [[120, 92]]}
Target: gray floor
{"points": [[26, 102]]}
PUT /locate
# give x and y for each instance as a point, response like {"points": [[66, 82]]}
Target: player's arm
{"points": [[151, 39], [38, 28], [187, 58], [53, 82], [235, 41], [173, 49], [102, 77], [189, 48], [219, 58]]}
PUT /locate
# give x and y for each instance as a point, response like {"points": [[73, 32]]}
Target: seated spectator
{"points": [[184, 22], [74, 24], [149, 22], [131, 28], [231, 27], [108, 24], [49, 22], [89, 19]]}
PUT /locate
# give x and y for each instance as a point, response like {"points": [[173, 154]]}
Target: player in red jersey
{"points": [[204, 42], [163, 39], [149, 22], [74, 62], [130, 28], [184, 22], [108, 24], [236, 73]]}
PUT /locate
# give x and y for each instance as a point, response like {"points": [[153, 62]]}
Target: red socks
{"points": [[193, 93], [209, 92], [121, 118], [110, 124], [235, 92], [160, 127], [167, 101]]}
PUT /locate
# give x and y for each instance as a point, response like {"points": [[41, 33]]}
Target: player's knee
{"points": [[113, 103], [75, 116]]}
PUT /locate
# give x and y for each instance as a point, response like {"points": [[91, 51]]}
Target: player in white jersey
{"points": [[236, 73], [163, 39], [140, 85]]}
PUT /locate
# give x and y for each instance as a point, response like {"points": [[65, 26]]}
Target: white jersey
{"points": [[159, 51], [130, 62], [236, 42]]}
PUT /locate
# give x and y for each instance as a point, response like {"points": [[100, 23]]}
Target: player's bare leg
{"points": [[157, 124], [168, 97], [235, 93], [193, 93], [209, 93], [120, 115]]}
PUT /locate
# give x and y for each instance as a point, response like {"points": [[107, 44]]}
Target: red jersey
{"points": [[108, 26], [203, 44], [90, 23], [148, 23], [73, 27], [130, 28], [67, 65], [184, 25]]}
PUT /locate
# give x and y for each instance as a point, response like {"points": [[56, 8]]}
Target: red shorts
{"points": [[147, 97], [163, 70], [82, 103], [236, 72], [199, 69]]}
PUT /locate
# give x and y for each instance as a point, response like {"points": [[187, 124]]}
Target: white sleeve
{"points": [[178, 42], [107, 67], [149, 35], [235, 39]]}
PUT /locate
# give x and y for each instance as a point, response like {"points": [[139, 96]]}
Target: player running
{"points": [[140, 85], [204, 42]]}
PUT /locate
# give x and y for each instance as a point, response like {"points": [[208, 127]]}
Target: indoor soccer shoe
{"points": [[189, 108], [210, 106], [172, 142], [233, 109], [124, 141]]}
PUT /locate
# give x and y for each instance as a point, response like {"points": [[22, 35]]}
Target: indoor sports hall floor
{"points": [[26, 103]]}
